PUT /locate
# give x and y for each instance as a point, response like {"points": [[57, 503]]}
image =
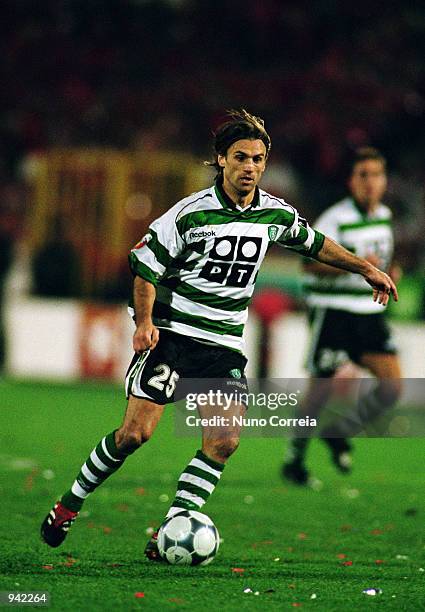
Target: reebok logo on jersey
{"points": [[202, 234]]}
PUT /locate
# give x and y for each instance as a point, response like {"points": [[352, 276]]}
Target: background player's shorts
{"points": [[155, 375], [338, 336]]}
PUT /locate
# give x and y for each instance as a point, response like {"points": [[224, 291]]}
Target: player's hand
{"points": [[145, 337], [382, 286]]}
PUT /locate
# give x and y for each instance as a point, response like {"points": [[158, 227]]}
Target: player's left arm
{"points": [[299, 236], [395, 271], [334, 254]]}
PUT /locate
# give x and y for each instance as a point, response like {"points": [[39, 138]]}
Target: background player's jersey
{"points": [[362, 234], [203, 256]]}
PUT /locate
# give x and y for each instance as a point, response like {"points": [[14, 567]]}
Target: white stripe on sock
{"points": [[204, 466], [98, 463], [89, 475], [173, 510], [191, 497], [79, 491], [199, 482]]}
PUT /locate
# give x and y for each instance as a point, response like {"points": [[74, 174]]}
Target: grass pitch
{"points": [[294, 547]]}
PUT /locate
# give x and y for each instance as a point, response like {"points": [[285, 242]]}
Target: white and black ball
{"points": [[188, 538]]}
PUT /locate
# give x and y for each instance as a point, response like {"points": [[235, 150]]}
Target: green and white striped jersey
{"points": [[203, 256], [363, 234]]}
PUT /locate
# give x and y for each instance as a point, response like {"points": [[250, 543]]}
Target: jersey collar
{"points": [[228, 203], [363, 213]]}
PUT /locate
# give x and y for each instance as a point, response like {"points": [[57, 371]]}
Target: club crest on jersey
{"points": [[235, 373], [143, 242], [273, 229]]}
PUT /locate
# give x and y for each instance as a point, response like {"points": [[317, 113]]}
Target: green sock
{"points": [[104, 460], [196, 483]]}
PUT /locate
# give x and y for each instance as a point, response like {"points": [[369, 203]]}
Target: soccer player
{"points": [[345, 323], [194, 274]]}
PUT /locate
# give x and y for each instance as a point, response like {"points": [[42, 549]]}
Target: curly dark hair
{"points": [[241, 125]]}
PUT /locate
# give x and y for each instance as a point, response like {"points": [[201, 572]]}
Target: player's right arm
{"points": [[146, 335], [149, 261]]}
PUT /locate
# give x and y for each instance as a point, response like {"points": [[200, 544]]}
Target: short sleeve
{"points": [[154, 254], [301, 237]]}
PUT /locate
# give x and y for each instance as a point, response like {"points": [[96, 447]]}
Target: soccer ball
{"points": [[188, 538]]}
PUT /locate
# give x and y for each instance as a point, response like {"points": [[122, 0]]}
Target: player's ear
{"points": [[221, 159]]}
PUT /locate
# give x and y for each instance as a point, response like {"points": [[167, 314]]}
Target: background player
{"points": [[194, 275], [345, 323]]}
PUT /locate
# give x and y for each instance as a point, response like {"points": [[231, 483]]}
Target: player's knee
{"points": [[221, 450], [129, 440]]}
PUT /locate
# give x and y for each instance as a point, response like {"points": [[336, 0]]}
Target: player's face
{"points": [[243, 166], [368, 182]]}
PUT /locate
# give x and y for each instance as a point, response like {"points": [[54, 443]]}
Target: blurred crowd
{"points": [[151, 75]]}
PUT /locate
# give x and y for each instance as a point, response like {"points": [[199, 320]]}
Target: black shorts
{"points": [[157, 375], [338, 336]]}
